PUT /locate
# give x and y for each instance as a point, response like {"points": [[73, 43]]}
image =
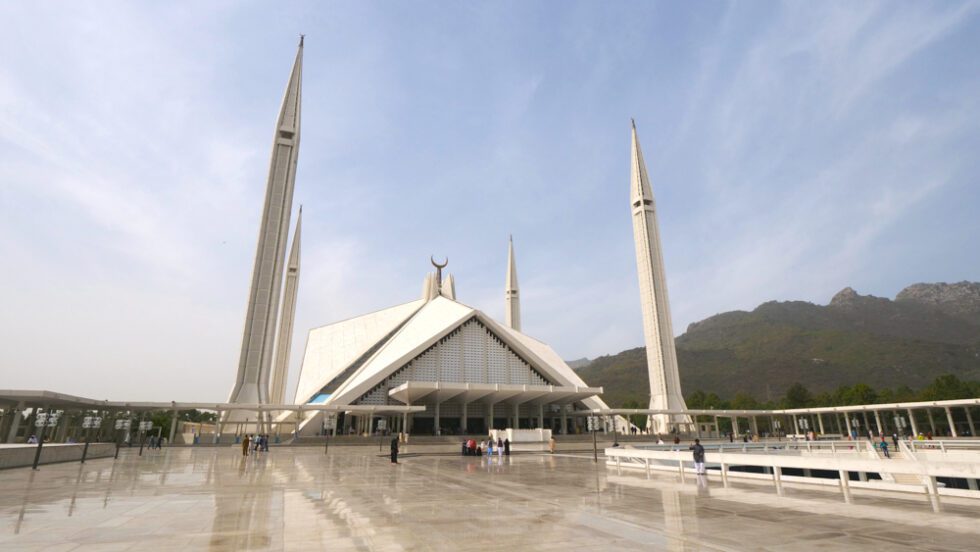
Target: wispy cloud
{"points": [[793, 149]]}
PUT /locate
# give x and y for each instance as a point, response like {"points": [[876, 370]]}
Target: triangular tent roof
{"points": [[436, 319], [333, 348]]}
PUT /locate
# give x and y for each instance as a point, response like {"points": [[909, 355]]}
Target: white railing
{"points": [[945, 445], [859, 457], [860, 447]]}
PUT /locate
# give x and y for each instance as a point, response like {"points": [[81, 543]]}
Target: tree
{"points": [[946, 388], [860, 394], [696, 400], [638, 420], [744, 402], [797, 396]]}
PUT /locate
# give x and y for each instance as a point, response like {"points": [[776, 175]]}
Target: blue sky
{"points": [[794, 149]]}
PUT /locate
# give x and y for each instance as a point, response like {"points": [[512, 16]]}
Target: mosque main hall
{"points": [[468, 372]]}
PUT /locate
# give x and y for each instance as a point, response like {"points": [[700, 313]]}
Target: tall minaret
{"points": [[658, 333], [277, 391], [512, 296], [255, 363]]}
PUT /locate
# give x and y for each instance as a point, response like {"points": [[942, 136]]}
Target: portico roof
{"points": [[431, 392], [50, 399]]}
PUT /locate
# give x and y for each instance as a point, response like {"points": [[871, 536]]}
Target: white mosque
{"points": [[470, 373]]}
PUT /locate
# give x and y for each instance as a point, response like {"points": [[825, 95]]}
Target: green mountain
{"points": [[929, 330]]}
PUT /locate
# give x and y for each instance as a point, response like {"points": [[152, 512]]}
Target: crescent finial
{"points": [[437, 265]]}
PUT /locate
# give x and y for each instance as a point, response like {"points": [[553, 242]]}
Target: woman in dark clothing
{"points": [[394, 450]]}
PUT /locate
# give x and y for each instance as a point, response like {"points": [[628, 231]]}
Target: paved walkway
{"points": [[353, 499]]}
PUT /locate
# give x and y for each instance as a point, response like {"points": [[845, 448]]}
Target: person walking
{"points": [[552, 444], [698, 457], [394, 450], [507, 447], [245, 443], [884, 447], [500, 448]]}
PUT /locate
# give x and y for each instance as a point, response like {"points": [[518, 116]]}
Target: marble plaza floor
{"points": [[354, 499]]}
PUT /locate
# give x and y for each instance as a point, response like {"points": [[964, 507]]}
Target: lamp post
{"points": [[330, 424], [43, 420], [593, 423], [121, 425], [144, 427], [89, 423], [804, 425]]}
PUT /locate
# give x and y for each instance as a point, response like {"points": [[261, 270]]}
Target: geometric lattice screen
{"points": [[468, 354]]}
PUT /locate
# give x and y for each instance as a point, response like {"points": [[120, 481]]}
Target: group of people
{"points": [[156, 442], [255, 443], [473, 448]]}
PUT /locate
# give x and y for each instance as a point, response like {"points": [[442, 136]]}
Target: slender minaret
{"points": [[255, 363], [512, 295], [658, 333], [277, 391]]}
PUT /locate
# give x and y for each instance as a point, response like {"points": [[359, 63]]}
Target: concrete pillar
{"points": [[777, 477], [755, 426], [932, 423], [462, 420], [845, 487], [517, 416], [564, 421], [717, 428], [173, 429], [489, 416], [949, 418], [881, 430], [867, 423], [436, 422], [735, 425], [969, 421], [796, 424], [19, 416], [59, 431], [847, 423], [217, 429], [820, 423], [541, 416], [915, 426], [405, 423]]}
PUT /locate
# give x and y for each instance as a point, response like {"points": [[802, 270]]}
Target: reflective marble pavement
{"points": [[354, 499]]}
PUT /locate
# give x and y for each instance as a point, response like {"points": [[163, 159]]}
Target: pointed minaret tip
{"points": [[633, 123], [301, 37], [512, 301]]}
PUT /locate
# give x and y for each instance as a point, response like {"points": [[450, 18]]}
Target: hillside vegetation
{"points": [[928, 331]]}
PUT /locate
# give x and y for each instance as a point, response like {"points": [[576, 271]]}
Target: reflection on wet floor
{"points": [[354, 499]]}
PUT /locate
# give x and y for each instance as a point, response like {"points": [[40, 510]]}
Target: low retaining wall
{"points": [[18, 456]]}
